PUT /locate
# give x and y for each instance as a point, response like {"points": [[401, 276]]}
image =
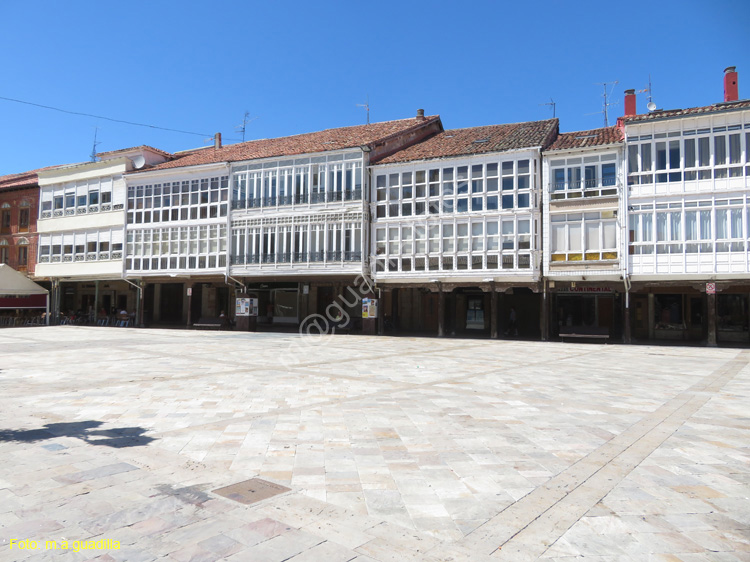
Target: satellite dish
{"points": [[651, 106], [138, 162]]}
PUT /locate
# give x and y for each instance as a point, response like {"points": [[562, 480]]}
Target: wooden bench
{"points": [[208, 323], [584, 332]]}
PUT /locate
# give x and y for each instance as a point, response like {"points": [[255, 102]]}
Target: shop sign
{"points": [[710, 288], [369, 308], [604, 290]]}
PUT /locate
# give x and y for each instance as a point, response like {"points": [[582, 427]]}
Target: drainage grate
{"points": [[251, 491]]}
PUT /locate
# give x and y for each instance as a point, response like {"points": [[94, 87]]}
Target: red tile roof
{"points": [[143, 146], [584, 139], [320, 141], [23, 179], [671, 113], [478, 140]]}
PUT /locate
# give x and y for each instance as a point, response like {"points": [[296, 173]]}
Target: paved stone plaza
{"points": [[392, 448]]}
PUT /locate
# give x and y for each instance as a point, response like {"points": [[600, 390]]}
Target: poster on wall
{"points": [[369, 308], [242, 307], [252, 307]]}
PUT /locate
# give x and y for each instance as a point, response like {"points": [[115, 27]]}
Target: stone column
{"points": [[441, 310], [493, 311], [141, 296], [189, 290], [96, 300], [711, 341], [157, 303], [650, 319], [627, 333]]}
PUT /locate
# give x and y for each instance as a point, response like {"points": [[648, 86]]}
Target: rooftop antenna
{"points": [[650, 105], [367, 107], [245, 121], [606, 96], [93, 148], [552, 103]]}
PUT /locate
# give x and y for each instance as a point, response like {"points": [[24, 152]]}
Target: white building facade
{"points": [[299, 221], [81, 227], [176, 243], [456, 221], [584, 242], [689, 221]]}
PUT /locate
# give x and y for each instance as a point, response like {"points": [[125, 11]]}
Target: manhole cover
{"points": [[251, 491]]}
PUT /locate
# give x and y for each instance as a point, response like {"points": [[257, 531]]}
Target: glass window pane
{"points": [[704, 152], [676, 226], [646, 161], [691, 225], [674, 154], [721, 224], [610, 235], [689, 153], [558, 238], [736, 223], [705, 225], [735, 151], [647, 227], [720, 150], [632, 159], [661, 227], [661, 156], [592, 236], [574, 237], [609, 174]]}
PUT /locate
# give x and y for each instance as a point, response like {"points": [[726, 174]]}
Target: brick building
{"points": [[19, 204]]}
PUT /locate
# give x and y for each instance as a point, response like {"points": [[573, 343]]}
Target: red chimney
{"points": [[731, 90], [630, 103]]}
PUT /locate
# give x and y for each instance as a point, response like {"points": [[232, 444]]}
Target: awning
{"points": [[18, 291]]}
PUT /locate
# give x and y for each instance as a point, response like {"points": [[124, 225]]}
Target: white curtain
{"points": [[721, 224], [558, 238], [575, 237], [610, 235], [661, 227], [736, 223], [592, 236], [691, 225]]}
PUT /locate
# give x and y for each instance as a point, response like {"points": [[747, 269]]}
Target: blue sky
{"points": [[304, 66]]}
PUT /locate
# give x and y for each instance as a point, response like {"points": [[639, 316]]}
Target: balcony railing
{"points": [[299, 199], [584, 188], [295, 257], [82, 210]]}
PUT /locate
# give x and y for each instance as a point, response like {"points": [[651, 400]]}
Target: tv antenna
{"points": [[93, 148], [607, 95], [366, 105], [552, 103], [650, 105], [245, 121]]}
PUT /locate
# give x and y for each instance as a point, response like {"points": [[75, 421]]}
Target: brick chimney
{"points": [[630, 103], [731, 90], [420, 114], [217, 140]]}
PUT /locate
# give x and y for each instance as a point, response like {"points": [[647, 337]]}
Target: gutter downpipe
{"points": [[628, 286], [237, 281], [139, 308]]}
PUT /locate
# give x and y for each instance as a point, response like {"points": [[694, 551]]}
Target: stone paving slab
{"points": [[393, 448]]}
